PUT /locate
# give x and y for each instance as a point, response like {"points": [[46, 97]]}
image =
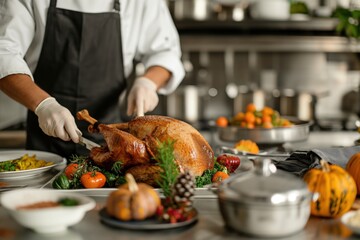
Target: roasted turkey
{"points": [[135, 144]]}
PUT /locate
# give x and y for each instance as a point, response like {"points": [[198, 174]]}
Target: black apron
{"points": [[81, 66]]}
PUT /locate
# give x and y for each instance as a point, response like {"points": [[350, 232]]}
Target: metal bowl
{"points": [[277, 135]]}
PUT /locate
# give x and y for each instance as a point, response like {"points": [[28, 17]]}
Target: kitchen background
{"points": [[241, 51]]}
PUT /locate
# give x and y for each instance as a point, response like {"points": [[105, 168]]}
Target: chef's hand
{"points": [[142, 97], [56, 120]]}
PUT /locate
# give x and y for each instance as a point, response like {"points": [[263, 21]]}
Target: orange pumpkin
{"points": [[353, 167], [132, 201], [335, 187]]}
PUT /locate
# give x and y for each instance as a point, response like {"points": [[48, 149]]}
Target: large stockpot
{"points": [[264, 202]]}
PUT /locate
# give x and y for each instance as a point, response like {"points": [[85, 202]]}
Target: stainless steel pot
{"points": [[295, 103], [264, 202], [192, 9], [187, 103]]}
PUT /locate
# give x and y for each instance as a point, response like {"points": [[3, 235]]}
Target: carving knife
{"points": [[87, 143]]}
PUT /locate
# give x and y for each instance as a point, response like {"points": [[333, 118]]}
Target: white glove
{"points": [[56, 120], [142, 97]]}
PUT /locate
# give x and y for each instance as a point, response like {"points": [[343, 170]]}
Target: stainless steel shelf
{"points": [[313, 24], [212, 42]]}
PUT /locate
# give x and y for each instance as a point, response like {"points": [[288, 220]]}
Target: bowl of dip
{"points": [[46, 210]]}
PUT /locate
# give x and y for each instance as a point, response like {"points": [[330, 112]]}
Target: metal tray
{"points": [[277, 135]]}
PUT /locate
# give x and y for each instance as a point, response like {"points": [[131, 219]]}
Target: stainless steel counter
{"points": [[209, 226]]}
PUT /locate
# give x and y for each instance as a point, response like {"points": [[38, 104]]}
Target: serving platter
{"points": [[276, 135], [200, 193], [14, 154], [147, 224]]}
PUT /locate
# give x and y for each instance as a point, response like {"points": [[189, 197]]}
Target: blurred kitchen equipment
{"points": [[193, 9], [231, 88], [189, 101], [293, 103], [267, 136], [258, 97], [230, 9], [270, 9], [186, 103], [264, 202], [350, 102], [12, 113]]}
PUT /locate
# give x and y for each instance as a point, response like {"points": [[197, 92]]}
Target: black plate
{"points": [[147, 224]]}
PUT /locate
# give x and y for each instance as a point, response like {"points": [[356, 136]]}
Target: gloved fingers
{"points": [[140, 106], [130, 105], [79, 133], [47, 127], [150, 104], [142, 97], [72, 131], [61, 133]]}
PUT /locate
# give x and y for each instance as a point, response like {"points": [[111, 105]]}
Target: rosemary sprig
{"points": [[166, 160]]}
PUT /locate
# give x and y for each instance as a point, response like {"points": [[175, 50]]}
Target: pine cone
{"points": [[183, 190]]}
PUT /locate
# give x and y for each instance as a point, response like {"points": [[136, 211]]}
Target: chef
{"points": [[58, 57]]}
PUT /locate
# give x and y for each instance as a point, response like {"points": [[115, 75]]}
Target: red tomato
{"points": [[93, 179], [70, 170]]}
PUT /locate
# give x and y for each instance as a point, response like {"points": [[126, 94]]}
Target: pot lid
{"points": [[264, 185]]}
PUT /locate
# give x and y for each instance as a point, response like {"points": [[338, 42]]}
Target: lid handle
{"points": [[264, 166]]}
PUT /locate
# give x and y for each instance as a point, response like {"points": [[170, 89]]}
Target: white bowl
{"points": [[270, 9], [45, 220]]}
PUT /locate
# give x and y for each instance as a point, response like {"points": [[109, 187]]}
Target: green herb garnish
{"points": [[68, 202], [205, 179], [8, 166], [166, 160]]}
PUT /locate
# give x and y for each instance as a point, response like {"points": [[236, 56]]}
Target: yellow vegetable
{"points": [[25, 162]]}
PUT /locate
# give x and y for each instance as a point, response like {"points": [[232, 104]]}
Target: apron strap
{"points": [[117, 5], [53, 4]]}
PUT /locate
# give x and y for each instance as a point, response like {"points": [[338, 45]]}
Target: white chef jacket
{"points": [[148, 34]]}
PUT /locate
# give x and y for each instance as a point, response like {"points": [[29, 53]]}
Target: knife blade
{"points": [[87, 143]]}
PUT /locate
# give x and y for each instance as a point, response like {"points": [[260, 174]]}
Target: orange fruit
{"points": [[222, 121], [251, 107], [267, 125], [267, 111], [249, 117], [266, 119], [239, 116]]}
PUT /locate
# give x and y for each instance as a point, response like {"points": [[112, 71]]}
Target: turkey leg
{"points": [[121, 146]]}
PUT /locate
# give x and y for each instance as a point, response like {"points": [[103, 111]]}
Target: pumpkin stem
{"points": [[324, 165], [133, 187]]}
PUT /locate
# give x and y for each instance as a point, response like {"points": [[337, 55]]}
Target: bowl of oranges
{"points": [[263, 126]]}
